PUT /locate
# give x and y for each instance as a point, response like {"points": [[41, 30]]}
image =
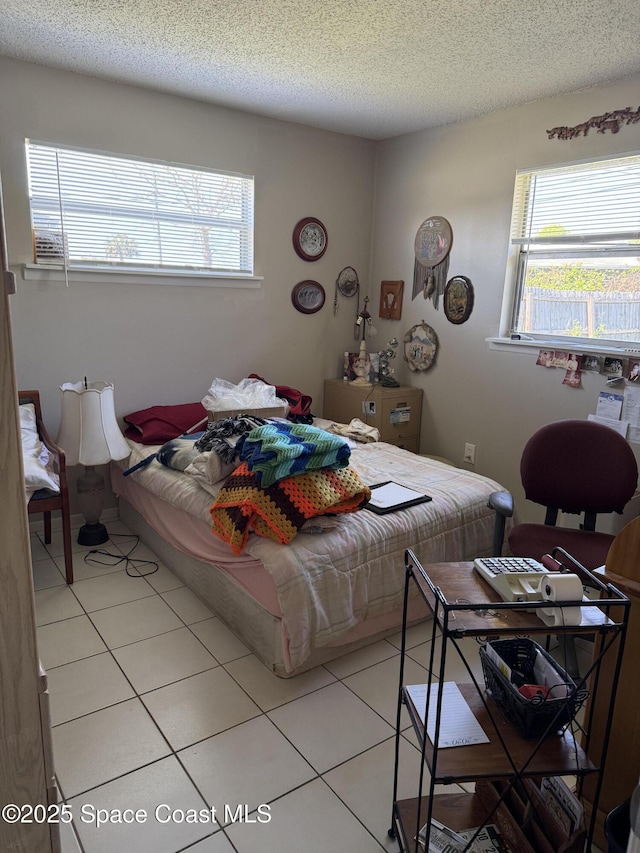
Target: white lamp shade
{"points": [[89, 432]]}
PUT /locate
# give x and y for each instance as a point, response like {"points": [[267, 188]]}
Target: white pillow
{"points": [[30, 439], [209, 469], [38, 473]]}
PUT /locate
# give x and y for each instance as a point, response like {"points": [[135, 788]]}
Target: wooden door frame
{"points": [[22, 748]]}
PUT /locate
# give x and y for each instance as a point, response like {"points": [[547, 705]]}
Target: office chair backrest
{"points": [[578, 466]]}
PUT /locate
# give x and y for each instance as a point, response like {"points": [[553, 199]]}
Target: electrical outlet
{"points": [[368, 407], [469, 453]]}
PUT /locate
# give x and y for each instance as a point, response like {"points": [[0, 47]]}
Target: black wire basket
{"points": [[536, 716]]}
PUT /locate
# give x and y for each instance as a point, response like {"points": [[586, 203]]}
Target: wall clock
{"points": [[308, 296], [310, 239], [420, 347]]}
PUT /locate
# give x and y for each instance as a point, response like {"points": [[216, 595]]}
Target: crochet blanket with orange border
{"points": [[278, 511]]}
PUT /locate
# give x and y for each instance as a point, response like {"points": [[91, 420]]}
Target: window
{"points": [[576, 233], [93, 210]]}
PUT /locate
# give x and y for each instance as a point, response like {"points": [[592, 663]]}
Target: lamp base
{"points": [[361, 368], [90, 486], [93, 534]]}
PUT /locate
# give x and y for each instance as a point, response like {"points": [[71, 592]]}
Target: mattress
{"points": [[328, 588]]}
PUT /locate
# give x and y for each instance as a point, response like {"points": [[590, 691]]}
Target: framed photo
{"points": [[591, 362], [308, 296], [391, 300], [633, 374], [310, 239], [545, 357], [372, 366], [613, 366], [458, 299]]}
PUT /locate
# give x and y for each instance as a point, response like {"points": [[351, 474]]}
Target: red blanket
{"points": [[158, 424]]}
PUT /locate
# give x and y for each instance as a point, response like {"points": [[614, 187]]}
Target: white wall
{"points": [[161, 344], [465, 172]]}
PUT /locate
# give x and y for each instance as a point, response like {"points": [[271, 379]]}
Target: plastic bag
{"points": [[247, 394]]}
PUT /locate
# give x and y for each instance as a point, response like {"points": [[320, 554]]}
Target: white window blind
{"points": [[96, 210], [589, 203], [576, 230]]}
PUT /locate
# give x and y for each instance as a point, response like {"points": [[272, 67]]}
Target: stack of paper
{"points": [[458, 726]]}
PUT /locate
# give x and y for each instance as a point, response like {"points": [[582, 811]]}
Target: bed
{"points": [[326, 593]]}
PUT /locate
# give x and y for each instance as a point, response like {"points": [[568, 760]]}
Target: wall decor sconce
{"points": [[391, 300]]}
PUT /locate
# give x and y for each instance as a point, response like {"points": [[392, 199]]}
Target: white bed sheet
{"points": [[328, 583]]}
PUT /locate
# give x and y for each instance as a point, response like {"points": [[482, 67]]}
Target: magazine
{"points": [[563, 804], [445, 840]]}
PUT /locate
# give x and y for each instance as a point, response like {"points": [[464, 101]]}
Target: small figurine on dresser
{"points": [[387, 378]]}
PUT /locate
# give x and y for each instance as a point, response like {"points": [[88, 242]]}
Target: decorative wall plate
{"points": [[308, 296], [420, 347], [433, 241], [310, 239], [458, 299]]}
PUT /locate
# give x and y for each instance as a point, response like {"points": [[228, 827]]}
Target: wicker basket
{"points": [[533, 717]]}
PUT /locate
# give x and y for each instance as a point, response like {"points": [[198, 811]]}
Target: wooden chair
{"points": [[47, 500]]}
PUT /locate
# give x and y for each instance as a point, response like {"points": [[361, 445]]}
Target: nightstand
{"points": [[395, 412]]}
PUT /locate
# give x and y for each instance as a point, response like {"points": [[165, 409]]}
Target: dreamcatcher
{"points": [[347, 284], [431, 248]]}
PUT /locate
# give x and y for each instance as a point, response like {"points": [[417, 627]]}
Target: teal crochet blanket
{"points": [[278, 450]]}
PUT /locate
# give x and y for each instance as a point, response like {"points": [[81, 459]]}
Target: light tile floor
{"points": [[157, 705]]}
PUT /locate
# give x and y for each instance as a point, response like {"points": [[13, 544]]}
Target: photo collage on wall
{"points": [[574, 364]]}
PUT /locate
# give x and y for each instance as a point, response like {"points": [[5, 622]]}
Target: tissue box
{"points": [[270, 412]]}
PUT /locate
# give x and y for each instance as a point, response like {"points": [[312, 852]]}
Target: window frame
{"points": [[189, 272], [524, 248]]}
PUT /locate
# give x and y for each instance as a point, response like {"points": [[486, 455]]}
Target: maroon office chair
{"points": [[572, 466], [577, 467]]}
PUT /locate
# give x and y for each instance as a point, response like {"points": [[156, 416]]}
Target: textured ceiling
{"points": [[374, 68]]}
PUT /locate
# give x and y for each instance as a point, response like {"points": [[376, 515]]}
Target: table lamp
{"points": [[90, 435]]}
